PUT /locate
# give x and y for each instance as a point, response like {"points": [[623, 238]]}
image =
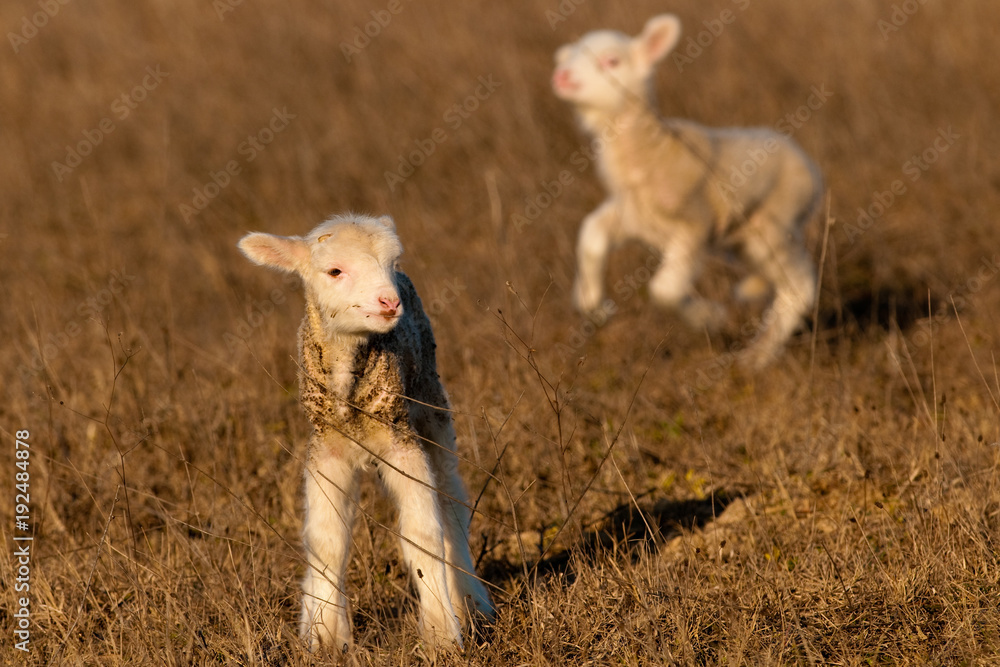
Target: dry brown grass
{"points": [[856, 488]]}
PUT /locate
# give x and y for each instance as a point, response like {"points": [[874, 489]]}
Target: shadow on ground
{"points": [[624, 532]]}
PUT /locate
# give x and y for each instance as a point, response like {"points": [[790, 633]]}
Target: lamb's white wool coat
{"points": [[369, 385], [670, 185]]}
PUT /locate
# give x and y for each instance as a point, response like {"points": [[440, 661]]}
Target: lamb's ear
{"points": [[387, 222], [658, 38], [287, 253]]}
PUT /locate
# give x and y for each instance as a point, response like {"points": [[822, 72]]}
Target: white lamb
{"points": [[680, 187], [369, 383]]}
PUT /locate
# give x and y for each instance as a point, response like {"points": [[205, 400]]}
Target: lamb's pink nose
{"points": [[560, 78], [390, 305]]}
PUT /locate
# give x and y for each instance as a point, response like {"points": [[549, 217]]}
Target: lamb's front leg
{"points": [[408, 478], [673, 284], [592, 247], [331, 497]]}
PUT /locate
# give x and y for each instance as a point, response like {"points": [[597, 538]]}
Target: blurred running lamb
{"points": [[680, 187], [369, 384]]}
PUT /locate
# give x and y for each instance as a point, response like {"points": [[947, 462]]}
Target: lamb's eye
{"points": [[334, 272], [612, 62]]}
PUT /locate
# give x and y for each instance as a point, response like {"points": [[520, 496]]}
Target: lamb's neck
{"points": [[326, 369], [622, 137], [340, 348], [635, 121]]}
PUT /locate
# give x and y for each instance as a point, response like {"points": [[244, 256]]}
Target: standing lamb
{"points": [[369, 384], [680, 187]]}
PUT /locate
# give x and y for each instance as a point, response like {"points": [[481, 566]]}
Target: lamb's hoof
{"points": [[334, 635], [599, 312], [599, 316], [701, 314], [755, 358], [586, 306], [752, 289]]}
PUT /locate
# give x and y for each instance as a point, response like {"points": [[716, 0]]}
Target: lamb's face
{"points": [[597, 71], [348, 265], [352, 274], [605, 69]]}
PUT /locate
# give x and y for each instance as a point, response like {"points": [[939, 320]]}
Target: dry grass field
{"points": [[641, 500]]}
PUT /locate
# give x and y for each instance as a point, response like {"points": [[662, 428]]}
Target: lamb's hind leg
{"points": [[468, 593], [782, 258], [331, 497], [672, 284], [409, 480]]}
